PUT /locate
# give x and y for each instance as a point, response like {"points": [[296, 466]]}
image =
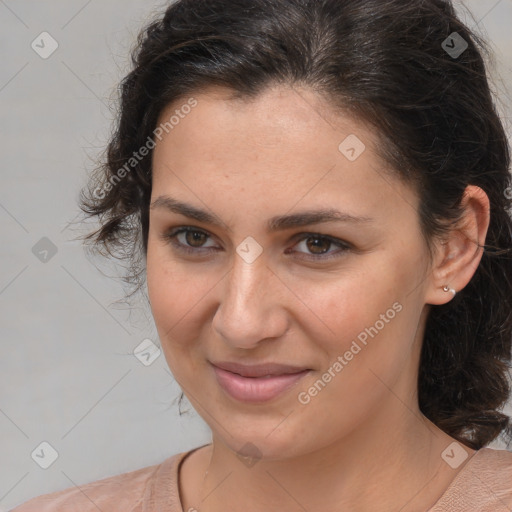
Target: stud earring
{"points": [[446, 288]]}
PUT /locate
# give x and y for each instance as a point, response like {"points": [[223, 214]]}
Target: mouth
{"points": [[257, 383]]}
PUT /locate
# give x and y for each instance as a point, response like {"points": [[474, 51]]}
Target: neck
{"points": [[386, 464]]}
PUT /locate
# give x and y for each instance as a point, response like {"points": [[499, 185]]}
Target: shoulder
{"points": [[489, 480], [496, 461], [125, 492], [484, 484], [494, 467]]}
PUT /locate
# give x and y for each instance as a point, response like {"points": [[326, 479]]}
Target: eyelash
{"points": [[344, 246]]}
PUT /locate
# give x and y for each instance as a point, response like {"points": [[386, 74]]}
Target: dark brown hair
{"points": [[387, 62]]}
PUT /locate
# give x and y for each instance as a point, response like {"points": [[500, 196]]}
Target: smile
{"points": [[256, 389]]}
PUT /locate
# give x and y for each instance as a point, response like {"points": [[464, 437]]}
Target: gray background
{"points": [[68, 375]]}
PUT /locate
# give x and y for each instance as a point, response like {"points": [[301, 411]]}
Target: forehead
{"points": [[285, 145], [278, 116]]}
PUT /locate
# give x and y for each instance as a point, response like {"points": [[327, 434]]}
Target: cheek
{"points": [[365, 360], [170, 290], [369, 321], [178, 294], [172, 301], [346, 305]]}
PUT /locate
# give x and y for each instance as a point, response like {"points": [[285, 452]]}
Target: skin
{"points": [[361, 443]]}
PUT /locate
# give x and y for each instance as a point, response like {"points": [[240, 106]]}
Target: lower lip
{"points": [[256, 389]]}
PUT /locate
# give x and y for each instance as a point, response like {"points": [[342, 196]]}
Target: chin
{"points": [[251, 448]]}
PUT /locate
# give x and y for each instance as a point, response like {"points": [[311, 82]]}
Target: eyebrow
{"points": [[277, 223]]}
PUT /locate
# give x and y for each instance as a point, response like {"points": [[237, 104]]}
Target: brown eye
{"points": [[195, 238], [315, 246], [318, 245], [189, 240]]}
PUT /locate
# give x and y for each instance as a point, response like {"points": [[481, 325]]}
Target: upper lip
{"points": [[259, 370]]}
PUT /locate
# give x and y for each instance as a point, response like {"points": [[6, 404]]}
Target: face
{"points": [[270, 273]]}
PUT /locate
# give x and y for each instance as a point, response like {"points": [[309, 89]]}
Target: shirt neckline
{"points": [[174, 500]]}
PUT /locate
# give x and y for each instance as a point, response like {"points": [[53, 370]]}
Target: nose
{"points": [[251, 305]]}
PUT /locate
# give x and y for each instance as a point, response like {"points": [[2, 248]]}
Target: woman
{"points": [[318, 193]]}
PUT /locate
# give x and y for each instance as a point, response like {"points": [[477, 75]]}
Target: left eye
{"points": [[318, 245]]}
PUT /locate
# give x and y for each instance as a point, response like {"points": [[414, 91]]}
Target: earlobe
{"points": [[461, 250], [446, 288]]}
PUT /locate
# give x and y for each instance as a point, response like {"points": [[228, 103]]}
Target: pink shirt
{"points": [[483, 485]]}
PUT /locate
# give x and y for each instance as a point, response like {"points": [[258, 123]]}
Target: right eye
{"points": [[191, 241]]}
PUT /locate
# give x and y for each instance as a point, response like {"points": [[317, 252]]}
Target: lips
{"points": [[257, 383], [259, 370]]}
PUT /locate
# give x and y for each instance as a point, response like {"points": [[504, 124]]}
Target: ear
{"points": [[458, 255]]}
